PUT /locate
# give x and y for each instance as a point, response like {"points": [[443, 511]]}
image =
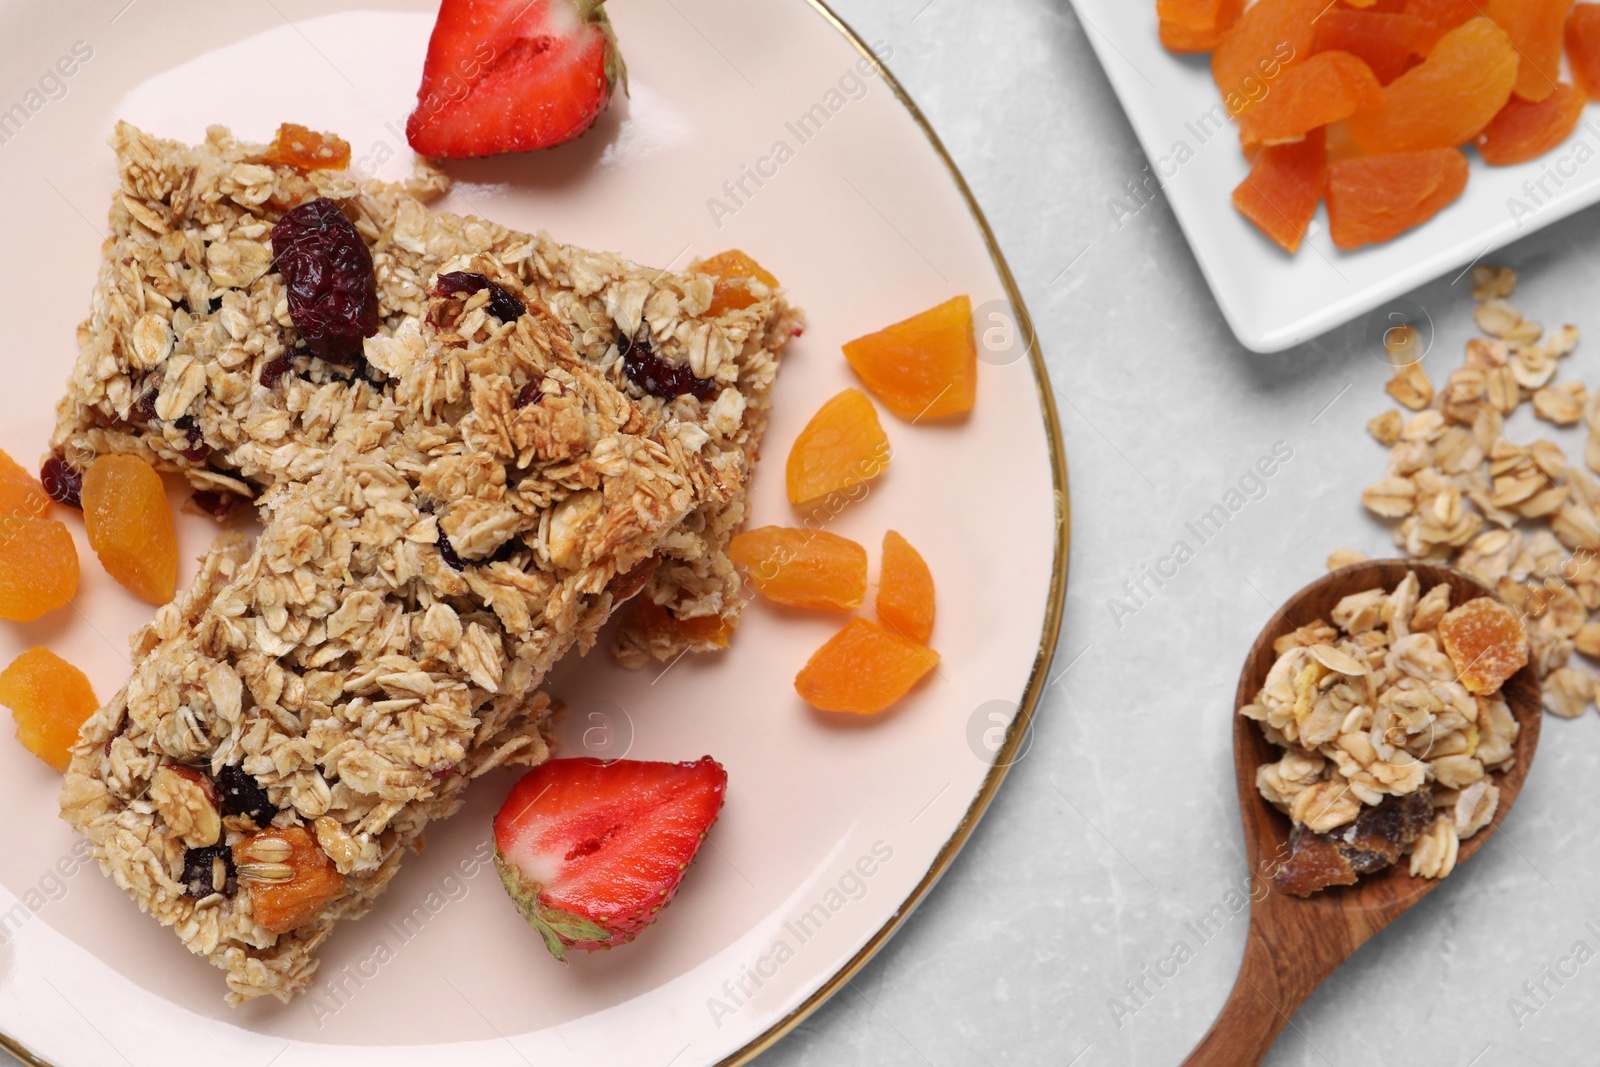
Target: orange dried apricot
{"points": [[1284, 188], [925, 367], [1385, 41], [841, 447], [733, 270], [905, 590], [281, 906], [1268, 38], [1526, 129], [1196, 25], [1486, 641], [700, 631], [50, 699], [295, 146], [129, 523], [20, 492], [1372, 199], [1439, 17], [1535, 28], [1446, 100], [38, 567], [1328, 87], [1583, 47], [863, 669], [803, 568]]}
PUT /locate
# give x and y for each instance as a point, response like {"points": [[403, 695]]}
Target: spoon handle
{"points": [[1268, 991]]}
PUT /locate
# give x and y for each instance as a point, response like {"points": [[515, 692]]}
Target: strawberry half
{"points": [[591, 851], [512, 75]]}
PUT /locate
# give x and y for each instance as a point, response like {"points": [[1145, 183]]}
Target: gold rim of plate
{"points": [[1017, 732]]}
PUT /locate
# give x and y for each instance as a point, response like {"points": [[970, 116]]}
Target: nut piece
{"points": [[187, 802]]}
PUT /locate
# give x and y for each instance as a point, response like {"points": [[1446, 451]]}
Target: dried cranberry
{"points": [[448, 551], [215, 305], [220, 505], [195, 449], [144, 409], [658, 377], [529, 394], [243, 795], [277, 369], [503, 303], [333, 287], [200, 872], [62, 482]]}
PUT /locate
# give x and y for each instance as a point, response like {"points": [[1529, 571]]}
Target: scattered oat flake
{"points": [[1344, 557]]}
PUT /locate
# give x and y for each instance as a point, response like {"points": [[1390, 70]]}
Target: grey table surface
{"points": [[1117, 835]]}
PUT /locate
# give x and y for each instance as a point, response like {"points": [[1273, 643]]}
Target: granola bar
{"points": [[190, 359], [352, 673]]}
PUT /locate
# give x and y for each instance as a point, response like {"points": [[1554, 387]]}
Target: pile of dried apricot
{"points": [[1368, 103]]}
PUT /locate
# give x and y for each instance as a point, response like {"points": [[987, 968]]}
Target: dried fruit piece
{"points": [[1196, 25], [1486, 641], [1284, 188], [1328, 87], [1439, 17], [803, 568], [49, 698], [1387, 42], [863, 669], [1376, 198], [19, 493], [38, 567], [1583, 47], [591, 851], [62, 482], [129, 524], [503, 303], [1535, 28], [209, 870], [241, 794], [925, 367], [289, 892], [905, 590], [333, 289], [1374, 840], [295, 146], [1268, 38], [1526, 130], [733, 271], [842, 446], [1446, 100], [662, 379], [652, 621]]}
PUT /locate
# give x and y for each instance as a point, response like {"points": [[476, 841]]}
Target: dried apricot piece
{"points": [[841, 447], [1486, 641], [1328, 87], [1536, 28], [295, 146], [50, 699], [1268, 38], [1372, 199], [1446, 100], [1439, 17], [925, 367], [803, 568], [733, 271], [1583, 47], [1387, 42], [38, 567], [1526, 129], [651, 620], [905, 590], [1284, 188], [1196, 25], [129, 523], [20, 492], [289, 876], [863, 669]]}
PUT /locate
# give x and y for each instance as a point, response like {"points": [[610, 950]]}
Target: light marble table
{"points": [[1118, 833]]}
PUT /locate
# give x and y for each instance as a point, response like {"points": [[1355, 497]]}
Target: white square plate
{"points": [[1272, 300]]}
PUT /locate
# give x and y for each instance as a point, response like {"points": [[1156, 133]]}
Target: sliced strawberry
{"points": [[512, 75], [592, 851]]}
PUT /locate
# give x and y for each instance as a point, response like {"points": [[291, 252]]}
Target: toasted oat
{"points": [[1492, 283], [1385, 428], [1410, 386], [1344, 557], [1561, 404]]}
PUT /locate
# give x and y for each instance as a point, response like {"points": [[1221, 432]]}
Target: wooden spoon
{"points": [[1295, 943]]}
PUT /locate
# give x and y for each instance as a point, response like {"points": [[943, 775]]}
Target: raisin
{"points": [[201, 875], [503, 304], [220, 505], [62, 482], [277, 369], [658, 377], [215, 305], [243, 795], [529, 394], [144, 409], [448, 551], [333, 287], [194, 449]]}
